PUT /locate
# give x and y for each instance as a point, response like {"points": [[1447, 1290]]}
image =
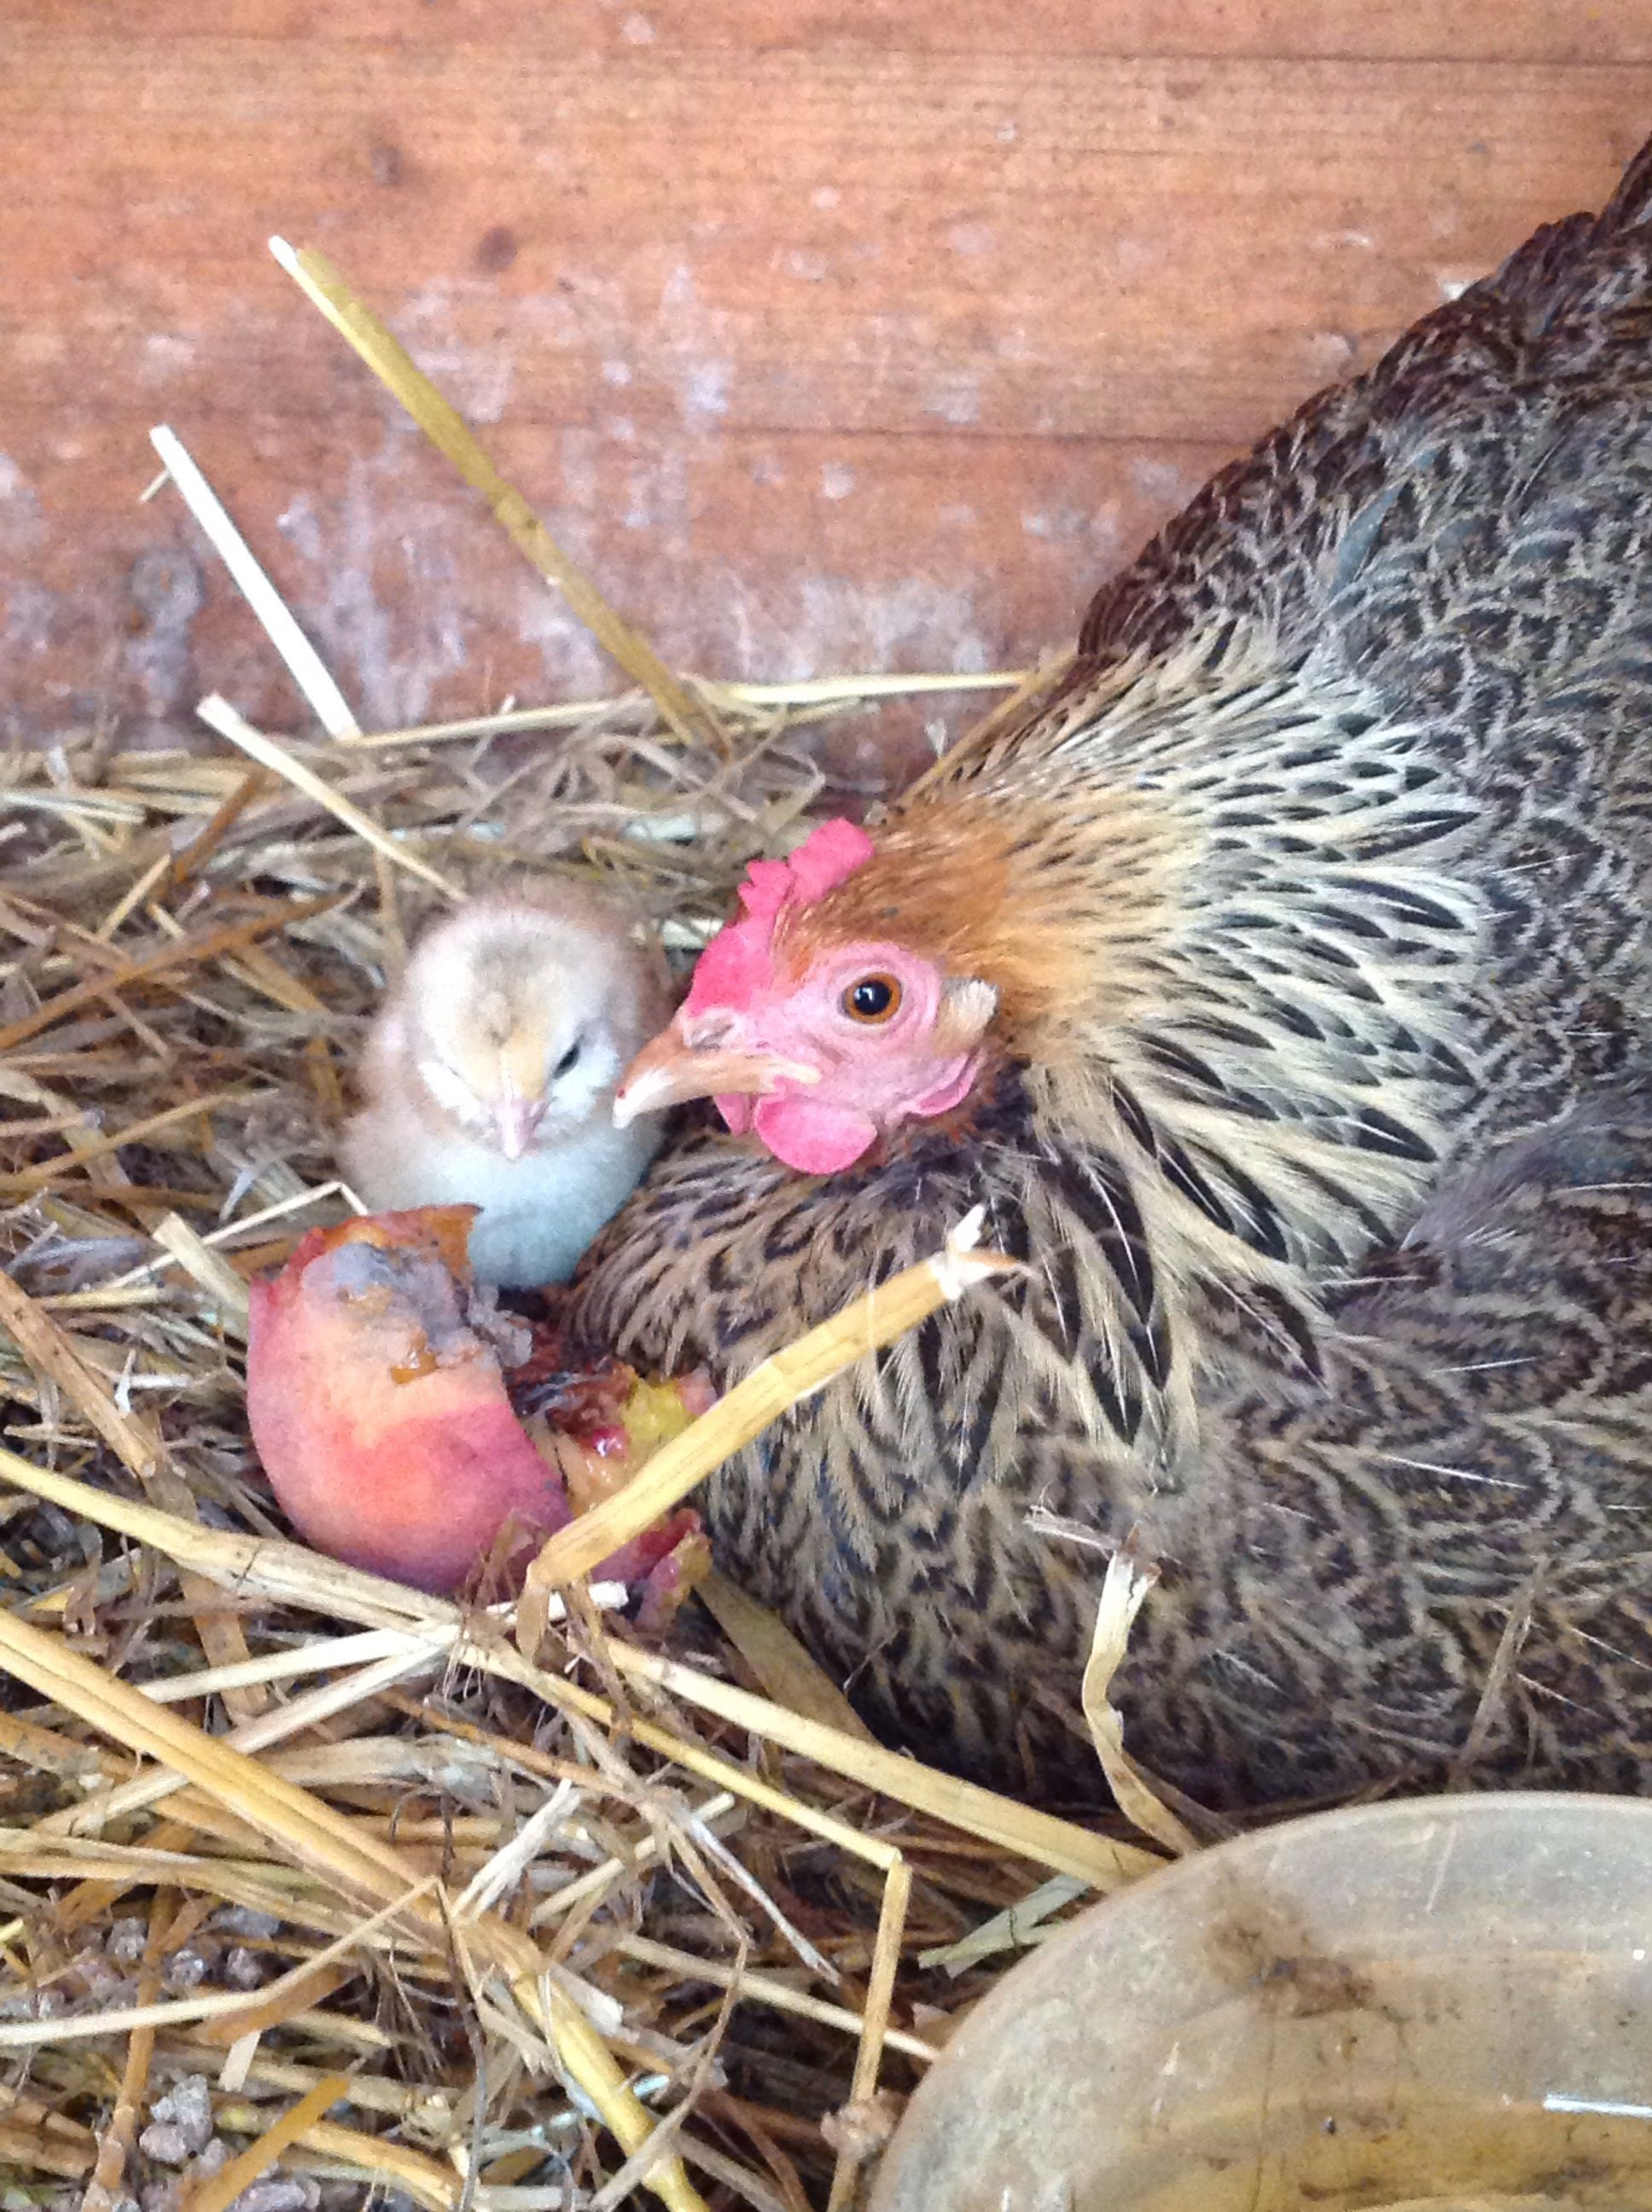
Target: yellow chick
{"points": [[488, 1078]]}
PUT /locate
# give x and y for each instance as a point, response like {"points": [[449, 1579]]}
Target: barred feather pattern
{"points": [[1327, 1141]]}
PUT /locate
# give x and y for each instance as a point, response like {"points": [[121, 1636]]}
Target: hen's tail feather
{"points": [[1585, 267], [1631, 205], [1574, 301]]}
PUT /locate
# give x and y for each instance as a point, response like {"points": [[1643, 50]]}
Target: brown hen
{"points": [[1279, 981]]}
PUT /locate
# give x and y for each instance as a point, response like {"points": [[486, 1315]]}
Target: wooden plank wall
{"points": [[830, 335]]}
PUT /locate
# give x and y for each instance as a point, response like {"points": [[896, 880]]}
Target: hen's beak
{"points": [[669, 1069], [515, 1120]]}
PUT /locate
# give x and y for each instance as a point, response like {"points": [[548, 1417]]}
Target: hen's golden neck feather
{"points": [[1216, 899]]}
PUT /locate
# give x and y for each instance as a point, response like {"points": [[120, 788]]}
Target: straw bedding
{"points": [[368, 1895]]}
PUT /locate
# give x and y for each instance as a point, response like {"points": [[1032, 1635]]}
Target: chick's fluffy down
{"points": [[490, 1074]]}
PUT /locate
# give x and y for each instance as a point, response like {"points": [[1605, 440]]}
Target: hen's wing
{"points": [[1448, 1547]]}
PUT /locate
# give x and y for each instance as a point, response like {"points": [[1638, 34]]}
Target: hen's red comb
{"points": [[737, 963]]}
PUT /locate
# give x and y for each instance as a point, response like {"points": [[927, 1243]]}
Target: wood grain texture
{"points": [[827, 336]]}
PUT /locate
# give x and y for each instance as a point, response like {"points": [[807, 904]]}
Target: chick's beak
{"points": [[515, 1120], [671, 1068]]}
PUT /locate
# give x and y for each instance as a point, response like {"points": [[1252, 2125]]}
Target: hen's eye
{"points": [[873, 998], [565, 1066]]}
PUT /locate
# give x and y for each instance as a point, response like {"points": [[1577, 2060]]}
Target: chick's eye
{"points": [[566, 1065], [871, 999]]}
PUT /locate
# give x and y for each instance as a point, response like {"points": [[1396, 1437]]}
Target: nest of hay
{"points": [[311, 1888]]}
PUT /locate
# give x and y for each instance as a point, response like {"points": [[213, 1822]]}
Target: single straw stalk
{"points": [[324, 287], [880, 1991], [115, 2147], [1125, 1584], [218, 714], [221, 2189], [346, 2153], [304, 663], [878, 1318]]}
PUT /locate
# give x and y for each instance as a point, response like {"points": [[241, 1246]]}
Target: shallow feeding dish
{"points": [[1445, 2002]]}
